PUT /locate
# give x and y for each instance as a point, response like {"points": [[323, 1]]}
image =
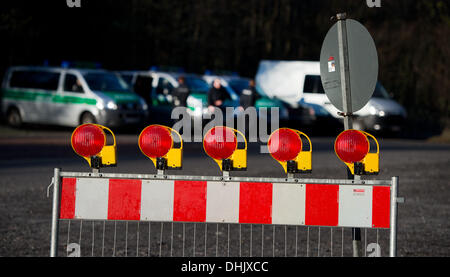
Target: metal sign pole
{"points": [[226, 173], [345, 70], [347, 104]]}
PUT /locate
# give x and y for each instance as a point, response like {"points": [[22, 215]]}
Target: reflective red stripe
{"points": [[381, 206], [255, 203], [124, 199], [189, 201], [68, 190], [322, 205]]}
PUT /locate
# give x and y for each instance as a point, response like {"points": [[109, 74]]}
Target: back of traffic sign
{"points": [[362, 65]]}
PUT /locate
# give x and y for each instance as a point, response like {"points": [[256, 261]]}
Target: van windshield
{"points": [[196, 85], [380, 92], [313, 84], [103, 81], [239, 85]]}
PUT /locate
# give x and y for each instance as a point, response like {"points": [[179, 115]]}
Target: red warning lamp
{"points": [[220, 142], [351, 146], [155, 141], [284, 145], [88, 140]]}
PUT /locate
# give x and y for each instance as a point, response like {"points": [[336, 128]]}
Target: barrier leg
{"points": [[393, 219], [356, 232], [55, 214], [356, 236]]}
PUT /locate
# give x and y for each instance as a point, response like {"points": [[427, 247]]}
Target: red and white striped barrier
{"points": [[229, 202]]}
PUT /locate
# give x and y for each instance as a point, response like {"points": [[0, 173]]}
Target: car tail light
{"points": [[284, 144], [220, 142], [351, 146], [155, 141], [88, 140]]}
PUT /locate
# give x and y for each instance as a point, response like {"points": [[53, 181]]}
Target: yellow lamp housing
{"points": [[238, 160], [370, 165], [107, 157], [174, 157], [302, 163]]}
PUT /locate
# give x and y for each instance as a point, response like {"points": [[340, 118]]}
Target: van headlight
{"points": [[193, 102], [144, 105], [197, 111], [284, 113], [100, 105], [373, 110], [111, 105], [377, 112]]}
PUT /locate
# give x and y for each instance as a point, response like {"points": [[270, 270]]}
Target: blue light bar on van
{"points": [[65, 64], [81, 64]]}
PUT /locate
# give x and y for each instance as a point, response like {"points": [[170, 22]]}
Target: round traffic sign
{"points": [[362, 61]]}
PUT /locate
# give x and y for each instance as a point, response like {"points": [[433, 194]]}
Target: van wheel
{"points": [[13, 118], [87, 118]]}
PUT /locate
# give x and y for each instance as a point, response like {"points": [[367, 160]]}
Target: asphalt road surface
{"points": [[28, 157]]}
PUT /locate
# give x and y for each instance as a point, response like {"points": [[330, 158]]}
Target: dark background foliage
{"points": [[412, 39]]}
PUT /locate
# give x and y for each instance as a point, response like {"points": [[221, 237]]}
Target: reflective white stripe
{"points": [[288, 204], [91, 201], [222, 202], [157, 200], [355, 206]]}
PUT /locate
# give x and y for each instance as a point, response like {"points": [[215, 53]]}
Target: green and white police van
{"points": [[157, 88], [69, 97]]}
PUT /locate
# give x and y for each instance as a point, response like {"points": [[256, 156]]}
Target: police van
{"points": [[295, 81], [69, 97], [157, 88], [235, 85]]}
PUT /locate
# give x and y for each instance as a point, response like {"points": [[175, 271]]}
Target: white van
{"points": [[69, 97], [294, 80]]}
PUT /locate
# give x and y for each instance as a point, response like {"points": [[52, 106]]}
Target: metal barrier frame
{"points": [[58, 174]]}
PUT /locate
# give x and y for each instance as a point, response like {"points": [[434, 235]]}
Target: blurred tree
{"points": [[412, 39]]}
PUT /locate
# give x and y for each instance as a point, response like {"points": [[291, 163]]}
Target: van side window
{"points": [[313, 84], [34, 79], [72, 84], [164, 87], [143, 87], [128, 78]]}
